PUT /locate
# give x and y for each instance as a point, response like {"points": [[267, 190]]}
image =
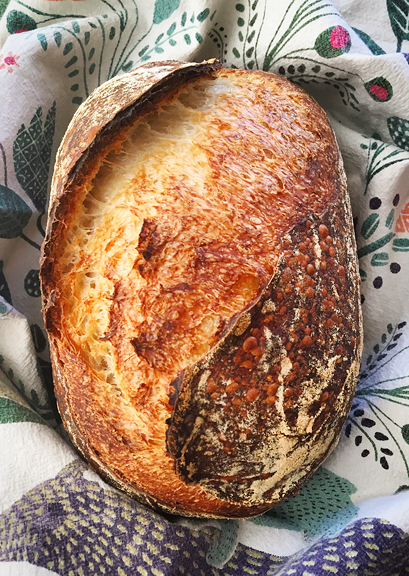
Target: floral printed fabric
{"points": [[352, 517]]}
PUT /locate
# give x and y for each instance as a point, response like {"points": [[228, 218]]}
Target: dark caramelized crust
{"points": [[283, 375], [200, 287]]}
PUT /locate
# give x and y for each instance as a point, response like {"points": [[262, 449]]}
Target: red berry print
{"points": [[379, 92], [9, 62], [333, 42], [339, 38], [379, 89]]}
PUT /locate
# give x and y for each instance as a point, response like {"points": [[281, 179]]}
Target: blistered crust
{"points": [[283, 375], [249, 335]]}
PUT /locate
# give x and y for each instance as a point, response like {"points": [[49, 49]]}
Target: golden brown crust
{"points": [[222, 300]]}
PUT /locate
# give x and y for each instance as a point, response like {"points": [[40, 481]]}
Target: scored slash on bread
{"points": [[200, 287]]}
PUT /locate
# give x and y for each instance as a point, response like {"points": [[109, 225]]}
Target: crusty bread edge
{"points": [[74, 147]]}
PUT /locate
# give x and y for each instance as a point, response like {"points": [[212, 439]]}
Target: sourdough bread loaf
{"points": [[200, 287]]}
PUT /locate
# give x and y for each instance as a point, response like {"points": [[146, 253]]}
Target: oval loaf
{"points": [[200, 287]]}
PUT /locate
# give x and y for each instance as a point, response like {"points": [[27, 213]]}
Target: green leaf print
{"points": [[11, 411], [186, 31], [67, 48], [297, 17], [32, 156], [43, 40], [164, 9], [371, 424], [58, 38], [3, 6], [400, 245], [405, 433], [14, 213], [399, 131], [32, 284], [380, 259], [322, 502], [19, 22], [398, 11], [46, 408], [373, 246], [373, 46], [71, 61], [370, 225], [203, 15], [380, 157], [4, 289], [390, 219]]}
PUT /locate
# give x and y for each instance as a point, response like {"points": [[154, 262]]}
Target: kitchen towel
{"points": [[352, 517]]}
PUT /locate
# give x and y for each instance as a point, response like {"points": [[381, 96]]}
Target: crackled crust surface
{"points": [[200, 287]]}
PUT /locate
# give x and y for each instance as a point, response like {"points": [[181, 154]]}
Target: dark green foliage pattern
{"points": [[19, 22], [32, 284], [11, 411], [4, 289], [398, 11], [399, 131], [32, 156], [314, 510], [14, 213]]}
